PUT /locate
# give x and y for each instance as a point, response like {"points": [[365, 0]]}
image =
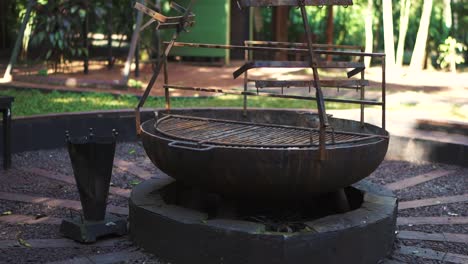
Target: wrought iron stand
{"points": [[92, 159]]}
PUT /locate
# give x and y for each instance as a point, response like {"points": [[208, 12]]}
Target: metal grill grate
{"points": [[234, 133]]}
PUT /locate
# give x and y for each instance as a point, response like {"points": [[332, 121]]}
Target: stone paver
{"points": [[133, 169], [436, 220], [409, 182], [433, 201], [444, 237], [432, 254]]}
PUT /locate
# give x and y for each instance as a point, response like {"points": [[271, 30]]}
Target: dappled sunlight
{"points": [[71, 82], [203, 69], [94, 101]]}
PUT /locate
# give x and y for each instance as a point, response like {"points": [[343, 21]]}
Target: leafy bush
{"points": [[451, 54], [58, 28]]}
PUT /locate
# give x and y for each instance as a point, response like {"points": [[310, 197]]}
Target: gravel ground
{"points": [[32, 209], [394, 170], [443, 186], [57, 161], [34, 255]]}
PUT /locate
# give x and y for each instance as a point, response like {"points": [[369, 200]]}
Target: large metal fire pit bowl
{"points": [[279, 165], [162, 223]]}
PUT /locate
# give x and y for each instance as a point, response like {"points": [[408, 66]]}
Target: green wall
{"points": [[212, 25]]}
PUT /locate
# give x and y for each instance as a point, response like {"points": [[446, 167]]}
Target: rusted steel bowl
{"points": [[265, 170]]}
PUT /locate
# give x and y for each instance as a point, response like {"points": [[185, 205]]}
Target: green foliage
{"points": [[33, 102], [135, 84], [58, 28], [451, 54], [42, 72]]}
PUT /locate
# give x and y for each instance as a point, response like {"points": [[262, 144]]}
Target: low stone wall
{"points": [[48, 132]]}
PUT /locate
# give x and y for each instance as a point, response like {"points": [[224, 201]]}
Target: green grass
{"points": [[33, 102]]}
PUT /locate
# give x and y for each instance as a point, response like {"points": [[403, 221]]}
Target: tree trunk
{"points": [[133, 46], [330, 29], [19, 39], [404, 18], [447, 14], [281, 23], [369, 31], [417, 59], [388, 33]]}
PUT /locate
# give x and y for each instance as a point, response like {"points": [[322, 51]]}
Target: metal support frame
{"points": [[5, 108], [183, 23], [318, 91], [312, 50]]}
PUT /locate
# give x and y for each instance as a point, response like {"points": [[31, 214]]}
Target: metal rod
{"points": [[218, 46], [300, 44], [318, 91], [268, 3], [237, 92], [346, 84], [363, 93], [246, 78], [167, 94]]}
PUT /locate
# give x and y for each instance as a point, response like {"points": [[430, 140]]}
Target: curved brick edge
{"points": [[181, 235]]}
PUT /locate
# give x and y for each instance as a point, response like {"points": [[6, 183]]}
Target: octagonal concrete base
{"points": [[180, 235]]}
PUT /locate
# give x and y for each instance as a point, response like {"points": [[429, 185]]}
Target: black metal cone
{"points": [[92, 161]]}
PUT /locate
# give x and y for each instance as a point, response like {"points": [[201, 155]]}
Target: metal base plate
{"points": [[88, 232]]}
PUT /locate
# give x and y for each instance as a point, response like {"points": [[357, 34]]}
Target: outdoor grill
{"points": [[268, 155], [265, 185]]}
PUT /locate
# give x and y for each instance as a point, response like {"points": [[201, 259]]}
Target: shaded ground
{"points": [[31, 174]]}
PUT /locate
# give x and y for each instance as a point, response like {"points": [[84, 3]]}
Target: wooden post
{"points": [[110, 62], [137, 61], [85, 40], [19, 39]]}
